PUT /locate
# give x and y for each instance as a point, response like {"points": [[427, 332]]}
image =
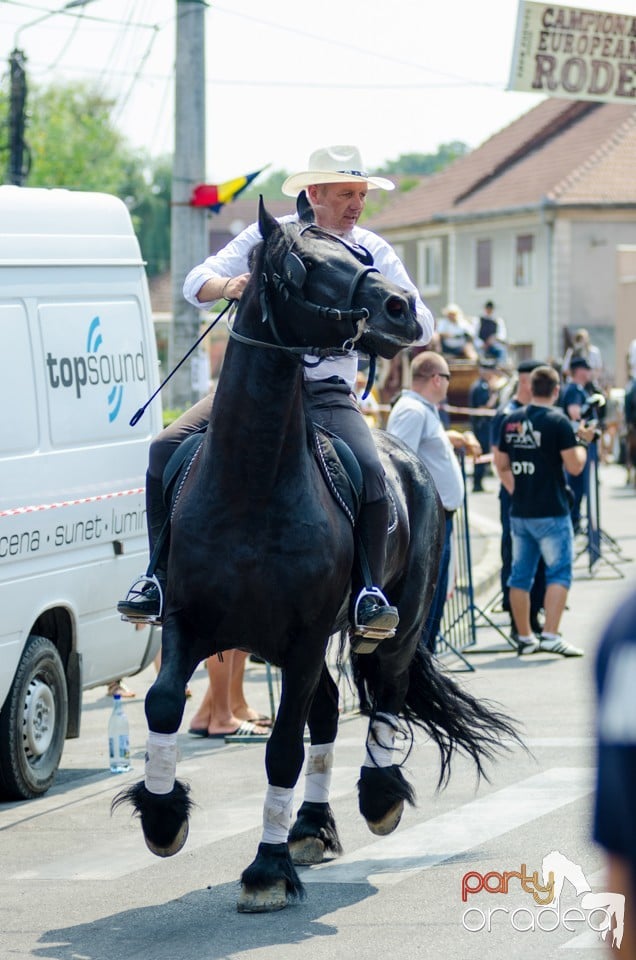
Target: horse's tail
{"points": [[453, 718]]}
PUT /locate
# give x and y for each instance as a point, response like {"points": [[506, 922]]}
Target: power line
{"points": [[295, 83], [334, 42], [79, 14]]}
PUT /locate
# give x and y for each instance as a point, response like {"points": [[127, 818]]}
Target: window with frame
{"points": [[524, 260], [483, 263], [429, 265]]}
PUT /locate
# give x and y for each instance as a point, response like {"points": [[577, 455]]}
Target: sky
{"points": [[284, 77]]}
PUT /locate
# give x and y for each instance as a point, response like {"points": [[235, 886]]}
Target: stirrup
{"points": [[366, 637], [138, 591]]}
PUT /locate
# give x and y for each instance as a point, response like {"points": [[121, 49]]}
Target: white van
{"points": [[77, 359]]}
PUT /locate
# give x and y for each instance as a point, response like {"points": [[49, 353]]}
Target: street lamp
{"points": [[18, 165]]}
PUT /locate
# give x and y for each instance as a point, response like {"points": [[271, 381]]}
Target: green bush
{"points": [[170, 415]]}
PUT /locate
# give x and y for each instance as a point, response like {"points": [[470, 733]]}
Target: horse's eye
{"points": [[394, 306]]}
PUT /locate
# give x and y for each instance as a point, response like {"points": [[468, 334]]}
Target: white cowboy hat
{"points": [[340, 164]]}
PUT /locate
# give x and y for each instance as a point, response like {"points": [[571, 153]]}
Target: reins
{"points": [[136, 417], [285, 286]]}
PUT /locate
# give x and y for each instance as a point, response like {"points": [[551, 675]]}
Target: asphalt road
{"points": [[79, 884]]}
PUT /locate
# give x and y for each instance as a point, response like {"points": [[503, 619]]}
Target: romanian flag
{"points": [[214, 196]]}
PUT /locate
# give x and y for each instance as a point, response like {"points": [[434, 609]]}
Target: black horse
{"points": [[261, 558]]}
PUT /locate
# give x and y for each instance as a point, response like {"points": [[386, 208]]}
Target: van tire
{"points": [[33, 723]]}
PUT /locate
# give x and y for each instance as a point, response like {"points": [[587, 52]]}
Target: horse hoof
{"points": [[389, 822], [307, 851], [174, 847], [262, 901]]}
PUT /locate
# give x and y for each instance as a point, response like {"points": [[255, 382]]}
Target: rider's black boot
{"points": [[374, 619], [144, 602]]}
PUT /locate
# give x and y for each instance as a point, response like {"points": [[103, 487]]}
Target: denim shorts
{"points": [[549, 537]]}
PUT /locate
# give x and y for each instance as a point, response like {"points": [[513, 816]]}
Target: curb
{"points": [[485, 547]]}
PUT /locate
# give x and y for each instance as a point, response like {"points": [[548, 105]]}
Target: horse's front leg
{"points": [[160, 800], [314, 832], [271, 879]]}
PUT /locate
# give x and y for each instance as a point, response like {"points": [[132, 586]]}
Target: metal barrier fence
{"points": [[459, 621], [599, 546]]}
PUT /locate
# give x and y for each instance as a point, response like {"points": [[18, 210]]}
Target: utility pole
{"points": [[19, 154], [189, 244], [18, 168]]}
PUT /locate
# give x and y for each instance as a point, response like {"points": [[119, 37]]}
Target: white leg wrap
{"points": [[161, 762], [381, 742], [277, 814], [318, 772]]}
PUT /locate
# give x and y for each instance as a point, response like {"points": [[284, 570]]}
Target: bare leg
{"points": [[520, 604], [216, 711], [554, 605], [240, 706]]}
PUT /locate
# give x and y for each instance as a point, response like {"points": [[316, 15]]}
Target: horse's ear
{"points": [[266, 222]]}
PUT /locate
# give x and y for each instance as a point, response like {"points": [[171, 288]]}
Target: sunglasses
{"points": [[446, 376]]}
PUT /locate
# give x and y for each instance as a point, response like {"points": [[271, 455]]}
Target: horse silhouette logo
{"points": [[559, 868]]}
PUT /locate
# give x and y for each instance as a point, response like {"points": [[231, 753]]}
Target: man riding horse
{"points": [[333, 193]]}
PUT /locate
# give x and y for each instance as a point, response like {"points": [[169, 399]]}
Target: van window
{"points": [[96, 369], [18, 402]]}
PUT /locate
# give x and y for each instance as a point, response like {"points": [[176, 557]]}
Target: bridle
{"points": [[287, 286]]}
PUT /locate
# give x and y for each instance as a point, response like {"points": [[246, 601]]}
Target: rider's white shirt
{"points": [[232, 261]]}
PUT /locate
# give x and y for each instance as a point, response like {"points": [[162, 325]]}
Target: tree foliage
{"points": [[72, 142], [423, 164]]}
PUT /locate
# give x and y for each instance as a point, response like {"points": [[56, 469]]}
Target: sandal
{"points": [[118, 686]]}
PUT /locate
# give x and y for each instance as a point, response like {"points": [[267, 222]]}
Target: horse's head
{"points": [[318, 291]]}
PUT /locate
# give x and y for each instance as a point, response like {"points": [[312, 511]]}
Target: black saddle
{"points": [[341, 471], [335, 458]]}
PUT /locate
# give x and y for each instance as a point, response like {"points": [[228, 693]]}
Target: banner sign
{"points": [[574, 53]]}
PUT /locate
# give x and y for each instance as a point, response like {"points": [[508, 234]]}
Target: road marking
{"points": [[386, 861], [106, 859], [393, 859]]}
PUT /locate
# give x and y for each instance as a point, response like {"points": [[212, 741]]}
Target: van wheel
{"points": [[33, 723]]}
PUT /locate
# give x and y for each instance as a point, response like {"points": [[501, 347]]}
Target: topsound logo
{"points": [[602, 912], [95, 368]]}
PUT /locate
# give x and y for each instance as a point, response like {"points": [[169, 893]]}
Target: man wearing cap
{"points": [[573, 400], [333, 191], [520, 398]]}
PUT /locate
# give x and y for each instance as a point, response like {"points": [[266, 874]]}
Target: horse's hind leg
{"points": [[314, 832], [160, 800]]}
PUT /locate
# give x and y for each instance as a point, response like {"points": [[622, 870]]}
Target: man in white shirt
{"points": [[335, 189], [415, 420]]}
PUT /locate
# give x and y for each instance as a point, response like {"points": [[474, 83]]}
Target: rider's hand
{"points": [[234, 287]]}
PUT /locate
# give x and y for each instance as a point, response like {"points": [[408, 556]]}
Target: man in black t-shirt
{"points": [[535, 443], [520, 398]]}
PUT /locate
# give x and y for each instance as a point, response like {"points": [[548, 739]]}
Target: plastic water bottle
{"points": [[118, 739]]}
